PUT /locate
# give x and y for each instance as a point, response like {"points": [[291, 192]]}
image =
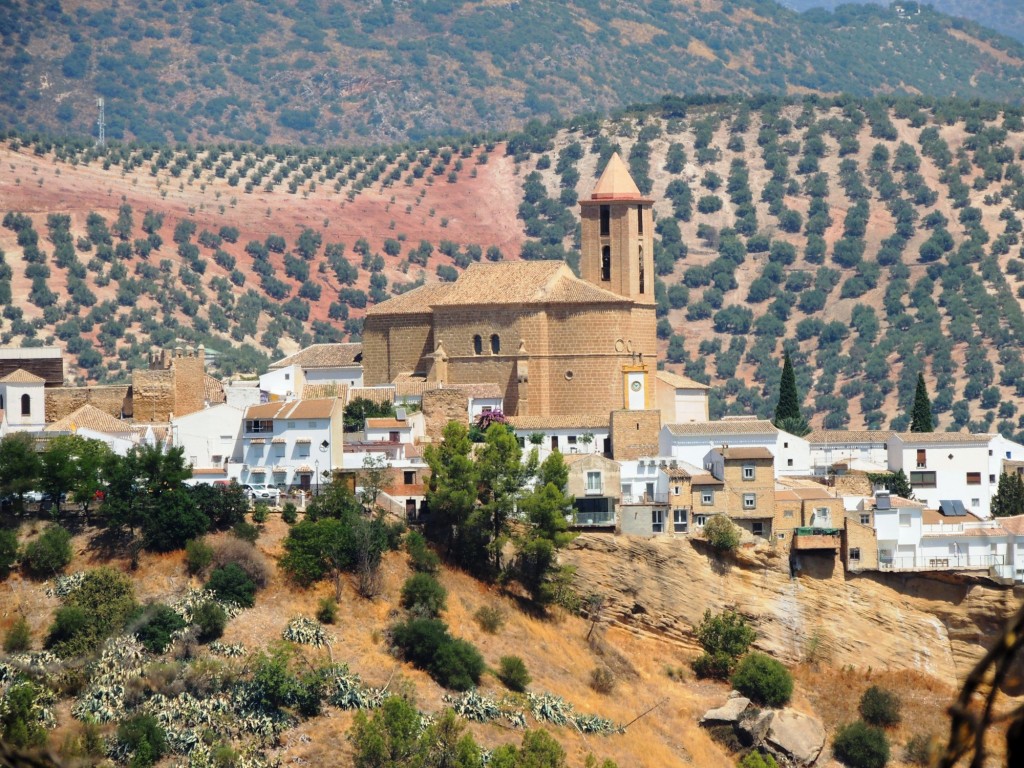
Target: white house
{"points": [[863, 449], [294, 443], [946, 466], [691, 442], [402, 428], [316, 364], [898, 525], [644, 481], [680, 399], [90, 422], [212, 440], [22, 401], [566, 434]]}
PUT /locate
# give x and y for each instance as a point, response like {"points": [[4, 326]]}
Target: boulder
{"points": [[796, 736], [729, 712]]}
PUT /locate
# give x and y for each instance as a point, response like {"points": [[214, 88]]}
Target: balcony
{"points": [[886, 562], [816, 538], [645, 498], [597, 518]]}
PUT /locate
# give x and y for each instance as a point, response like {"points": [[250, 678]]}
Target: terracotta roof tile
{"points": [[416, 302], [746, 452], [574, 421], [90, 417], [845, 437], [523, 282], [680, 382], [21, 376], [379, 395], [718, 428], [385, 423], [323, 356], [920, 438], [615, 182], [328, 389]]}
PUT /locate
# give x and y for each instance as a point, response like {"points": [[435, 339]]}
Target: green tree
{"points": [[19, 721], [391, 739], [8, 551], [1009, 496], [787, 410], [49, 554], [19, 464], [98, 607], [451, 494], [763, 680], [539, 750], [547, 510], [859, 745], [74, 464], [724, 637], [880, 706], [360, 409], [501, 475], [722, 534], [921, 416]]}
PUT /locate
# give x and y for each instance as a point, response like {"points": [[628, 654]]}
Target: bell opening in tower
{"points": [[606, 263], [606, 220]]}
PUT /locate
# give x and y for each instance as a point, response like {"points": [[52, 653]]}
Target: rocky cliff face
{"points": [[936, 625]]}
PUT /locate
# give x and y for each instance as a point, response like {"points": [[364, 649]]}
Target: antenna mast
{"points": [[101, 124]]}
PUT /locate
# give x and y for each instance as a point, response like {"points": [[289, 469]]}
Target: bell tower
{"points": [[617, 236]]}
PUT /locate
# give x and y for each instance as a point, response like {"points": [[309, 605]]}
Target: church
{"points": [[555, 344]]}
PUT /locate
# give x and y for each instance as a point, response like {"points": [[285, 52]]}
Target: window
{"points": [[675, 490], [679, 522], [639, 219], [291, 425], [749, 501], [217, 458], [757, 529], [409, 476], [495, 344], [855, 553], [478, 345], [311, 424], [865, 518], [974, 478], [748, 471], [486, 409], [606, 220], [554, 442], [991, 478], [789, 462], [259, 426], [571, 439], [593, 482], [707, 498], [922, 479], [921, 460], [787, 513], [641, 271], [278, 450], [785, 445], [394, 437], [606, 263], [303, 449], [975, 502], [26, 405], [657, 520], [904, 520]]}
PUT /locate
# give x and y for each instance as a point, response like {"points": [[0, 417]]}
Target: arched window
{"points": [[606, 262], [495, 344], [641, 269], [26, 405], [478, 345]]}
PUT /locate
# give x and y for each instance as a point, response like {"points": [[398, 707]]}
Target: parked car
{"points": [[261, 492]]}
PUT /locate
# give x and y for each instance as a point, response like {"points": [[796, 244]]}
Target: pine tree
{"points": [[921, 416], [787, 411]]}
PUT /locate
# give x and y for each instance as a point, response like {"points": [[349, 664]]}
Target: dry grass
{"points": [[243, 554]]}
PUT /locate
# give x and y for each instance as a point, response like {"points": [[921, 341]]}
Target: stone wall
{"points": [[441, 406], [634, 434], [861, 537], [152, 395], [63, 401], [189, 382], [853, 484], [395, 344]]}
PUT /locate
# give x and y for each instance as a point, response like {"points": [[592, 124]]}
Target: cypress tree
{"points": [[1009, 498], [921, 416], [787, 410]]}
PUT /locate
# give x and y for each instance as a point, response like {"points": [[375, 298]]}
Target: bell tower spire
{"points": [[617, 235]]}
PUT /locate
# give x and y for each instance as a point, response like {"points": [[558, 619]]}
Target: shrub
{"points": [[18, 637], [602, 680], [233, 585], [246, 532], [19, 722], [512, 673], [763, 680], [159, 623], [97, 608], [722, 534], [209, 620], [246, 557], [198, 556], [490, 618], [421, 557], [327, 613], [879, 706], [724, 638], [50, 553], [289, 513], [172, 522], [757, 759], [859, 745], [423, 594], [260, 513], [8, 551], [453, 663], [921, 749], [144, 737]]}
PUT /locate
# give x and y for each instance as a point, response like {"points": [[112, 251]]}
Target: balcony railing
{"points": [[816, 538], [645, 498], [952, 529], [938, 563], [603, 518]]}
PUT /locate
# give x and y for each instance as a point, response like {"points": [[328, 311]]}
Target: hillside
{"points": [[651, 666], [1005, 15], [306, 71], [875, 240]]}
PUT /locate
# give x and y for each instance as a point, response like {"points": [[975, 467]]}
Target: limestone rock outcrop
{"points": [[662, 586]]}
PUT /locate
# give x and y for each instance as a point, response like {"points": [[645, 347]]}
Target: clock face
{"points": [[635, 386]]}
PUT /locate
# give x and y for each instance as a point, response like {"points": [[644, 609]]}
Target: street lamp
{"points": [[316, 467]]}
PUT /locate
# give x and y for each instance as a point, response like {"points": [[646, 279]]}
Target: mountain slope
{"points": [[320, 72]]}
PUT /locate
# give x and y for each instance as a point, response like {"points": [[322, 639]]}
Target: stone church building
{"points": [[554, 343]]}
